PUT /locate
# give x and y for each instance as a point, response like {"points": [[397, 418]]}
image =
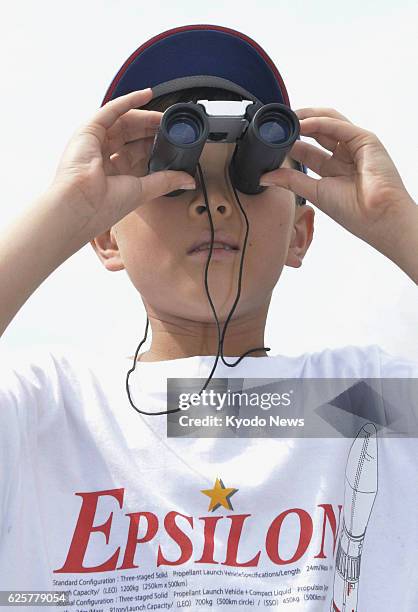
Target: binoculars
{"points": [[263, 133]]}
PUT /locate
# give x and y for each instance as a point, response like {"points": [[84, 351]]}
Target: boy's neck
{"points": [[179, 339]]}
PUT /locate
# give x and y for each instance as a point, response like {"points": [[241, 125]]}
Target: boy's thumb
{"points": [[160, 183], [294, 180]]}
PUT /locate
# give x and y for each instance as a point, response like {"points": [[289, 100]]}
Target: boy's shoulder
{"points": [[46, 362], [354, 361], [38, 356]]}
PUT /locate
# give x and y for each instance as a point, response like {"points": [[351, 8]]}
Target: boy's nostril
{"points": [[201, 209], [221, 209]]}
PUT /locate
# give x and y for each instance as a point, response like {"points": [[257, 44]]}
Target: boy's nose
{"points": [[217, 206]]}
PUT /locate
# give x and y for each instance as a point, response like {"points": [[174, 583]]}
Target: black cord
{"points": [[221, 337], [261, 348]]}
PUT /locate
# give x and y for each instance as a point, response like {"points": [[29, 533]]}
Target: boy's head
{"points": [[153, 242]]}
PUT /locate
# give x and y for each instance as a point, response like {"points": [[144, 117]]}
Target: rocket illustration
{"points": [[359, 496]]}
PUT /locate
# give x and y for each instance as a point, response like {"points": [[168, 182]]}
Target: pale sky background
{"points": [[360, 57]]}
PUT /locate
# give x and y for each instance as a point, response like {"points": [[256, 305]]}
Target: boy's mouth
{"points": [[222, 242], [218, 254]]}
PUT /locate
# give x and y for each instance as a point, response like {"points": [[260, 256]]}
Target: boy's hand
{"points": [[360, 187], [103, 165]]}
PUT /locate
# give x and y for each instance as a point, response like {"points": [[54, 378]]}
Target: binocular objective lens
{"points": [[183, 131], [274, 131]]}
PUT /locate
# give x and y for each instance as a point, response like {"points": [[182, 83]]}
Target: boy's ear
{"points": [[302, 234], [107, 251]]}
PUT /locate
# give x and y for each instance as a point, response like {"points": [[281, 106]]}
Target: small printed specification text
{"points": [[177, 589]]}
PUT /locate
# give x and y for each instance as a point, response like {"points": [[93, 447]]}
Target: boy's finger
{"points": [[305, 113], [137, 150], [108, 114], [319, 161], [298, 182], [328, 143], [131, 126], [160, 183], [348, 133], [120, 134], [335, 146], [130, 154], [311, 156]]}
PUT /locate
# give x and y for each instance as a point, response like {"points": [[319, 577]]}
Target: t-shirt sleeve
{"points": [[28, 377], [28, 382], [400, 392], [392, 366]]}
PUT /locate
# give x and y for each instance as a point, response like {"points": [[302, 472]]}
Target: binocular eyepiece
{"points": [[264, 134]]}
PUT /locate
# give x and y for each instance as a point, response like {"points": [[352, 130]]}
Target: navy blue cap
{"points": [[201, 56]]}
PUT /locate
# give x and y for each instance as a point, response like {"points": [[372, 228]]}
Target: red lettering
{"points": [[237, 522], [330, 515], [273, 534], [180, 538], [133, 540], [83, 529], [147, 524], [209, 538]]}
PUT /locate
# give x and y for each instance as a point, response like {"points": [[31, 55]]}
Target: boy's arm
{"points": [[37, 242], [360, 187], [94, 188], [400, 244]]}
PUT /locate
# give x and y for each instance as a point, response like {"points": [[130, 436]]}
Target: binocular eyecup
{"points": [[263, 136]]}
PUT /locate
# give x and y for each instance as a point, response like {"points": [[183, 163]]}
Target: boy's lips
{"points": [[220, 241], [217, 254]]}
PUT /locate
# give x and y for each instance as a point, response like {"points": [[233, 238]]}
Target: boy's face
{"points": [[152, 244]]}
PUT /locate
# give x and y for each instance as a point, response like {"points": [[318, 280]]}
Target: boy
{"points": [[96, 499]]}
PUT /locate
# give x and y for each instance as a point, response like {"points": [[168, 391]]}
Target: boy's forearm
{"points": [[34, 245], [402, 248]]}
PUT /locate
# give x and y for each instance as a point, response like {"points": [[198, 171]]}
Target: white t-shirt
{"points": [[95, 499]]}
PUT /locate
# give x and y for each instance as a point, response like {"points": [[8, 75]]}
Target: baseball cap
{"points": [[201, 55]]}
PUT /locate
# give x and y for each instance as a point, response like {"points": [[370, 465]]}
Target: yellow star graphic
{"points": [[219, 495]]}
